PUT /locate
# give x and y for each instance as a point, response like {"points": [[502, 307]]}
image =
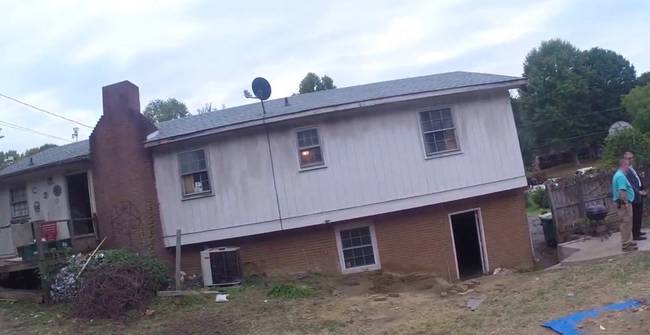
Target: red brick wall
{"points": [[409, 241], [123, 178]]}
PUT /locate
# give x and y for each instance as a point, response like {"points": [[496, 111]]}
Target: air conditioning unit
{"points": [[220, 266]]}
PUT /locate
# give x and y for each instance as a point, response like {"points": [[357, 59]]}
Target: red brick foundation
{"points": [[412, 241]]}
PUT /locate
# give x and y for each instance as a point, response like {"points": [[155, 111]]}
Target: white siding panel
{"points": [[372, 158]]}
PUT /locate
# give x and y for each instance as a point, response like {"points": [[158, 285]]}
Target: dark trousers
{"points": [[637, 218]]}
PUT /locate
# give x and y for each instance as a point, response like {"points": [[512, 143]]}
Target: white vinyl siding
{"points": [[374, 165]]}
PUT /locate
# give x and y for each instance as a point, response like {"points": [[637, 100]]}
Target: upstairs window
{"points": [[194, 173], [19, 206], [438, 132], [310, 153]]}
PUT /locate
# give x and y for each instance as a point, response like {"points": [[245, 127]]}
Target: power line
{"points": [[582, 114], [17, 127], [44, 111], [554, 142]]}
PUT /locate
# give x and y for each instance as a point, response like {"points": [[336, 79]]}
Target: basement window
{"points": [[19, 206], [357, 248], [310, 154], [438, 132], [195, 179]]}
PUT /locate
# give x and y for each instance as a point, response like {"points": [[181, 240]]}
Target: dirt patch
{"points": [[631, 322], [378, 304]]}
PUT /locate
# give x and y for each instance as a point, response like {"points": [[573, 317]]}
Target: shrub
{"points": [[119, 278], [112, 290], [290, 291], [627, 139], [539, 198], [155, 267]]}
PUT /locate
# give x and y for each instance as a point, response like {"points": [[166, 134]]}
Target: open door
{"points": [[468, 244], [79, 200]]}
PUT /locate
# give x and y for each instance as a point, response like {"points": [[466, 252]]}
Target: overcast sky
{"points": [[58, 54]]}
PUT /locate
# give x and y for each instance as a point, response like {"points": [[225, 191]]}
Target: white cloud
{"points": [[58, 54]]}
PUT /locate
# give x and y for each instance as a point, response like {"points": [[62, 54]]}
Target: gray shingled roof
{"points": [[57, 155], [339, 96]]}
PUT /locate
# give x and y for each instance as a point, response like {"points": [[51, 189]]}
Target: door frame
{"points": [[478, 218]]}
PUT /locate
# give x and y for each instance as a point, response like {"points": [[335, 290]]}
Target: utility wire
{"points": [[568, 138], [44, 111], [17, 127]]}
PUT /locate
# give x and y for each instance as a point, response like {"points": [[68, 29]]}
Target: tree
{"points": [[6, 157], [10, 156], [207, 108], [164, 110], [627, 139], [33, 151], [644, 79], [312, 83], [637, 103], [555, 105], [610, 76]]}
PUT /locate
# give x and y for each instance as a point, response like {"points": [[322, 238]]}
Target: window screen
{"points": [[309, 148], [19, 205], [357, 248], [194, 172], [438, 131]]}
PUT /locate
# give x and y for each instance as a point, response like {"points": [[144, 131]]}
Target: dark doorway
{"points": [[467, 241], [79, 199]]}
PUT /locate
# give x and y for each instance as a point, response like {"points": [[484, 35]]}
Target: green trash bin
{"points": [[549, 229]]}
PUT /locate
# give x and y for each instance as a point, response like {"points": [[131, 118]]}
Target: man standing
{"points": [[623, 196], [639, 193]]}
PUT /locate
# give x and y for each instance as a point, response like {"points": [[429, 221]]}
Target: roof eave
{"points": [[508, 84], [45, 166]]}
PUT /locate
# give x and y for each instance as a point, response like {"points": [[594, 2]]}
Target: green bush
{"points": [[539, 198], [627, 139], [155, 267], [290, 291]]}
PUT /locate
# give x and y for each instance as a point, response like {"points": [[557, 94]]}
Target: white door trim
{"points": [[483, 246]]}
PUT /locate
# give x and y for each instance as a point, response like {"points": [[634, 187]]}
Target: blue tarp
{"points": [[568, 325]]}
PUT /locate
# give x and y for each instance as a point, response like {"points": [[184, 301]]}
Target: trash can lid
{"points": [[546, 216]]}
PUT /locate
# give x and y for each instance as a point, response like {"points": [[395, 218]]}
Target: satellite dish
{"points": [[618, 126], [261, 88]]}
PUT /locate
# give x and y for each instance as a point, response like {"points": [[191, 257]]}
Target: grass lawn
{"points": [[376, 304]]}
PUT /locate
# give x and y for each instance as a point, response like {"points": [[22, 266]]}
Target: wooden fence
{"points": [[569, 196]]}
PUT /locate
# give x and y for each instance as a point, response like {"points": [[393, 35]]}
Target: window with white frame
{"points": [[438, 132], [310, 153], [194, 172], [357, 248], [19, 206]]}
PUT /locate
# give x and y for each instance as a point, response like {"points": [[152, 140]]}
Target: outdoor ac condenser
{"points": [[220, 266]]}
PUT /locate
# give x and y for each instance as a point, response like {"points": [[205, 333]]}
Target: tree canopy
{"points": [[627, 139], [13, 155], [312, 83], [164, 110], [610, 76], [644, 79], [637, 103], [572, 96]]}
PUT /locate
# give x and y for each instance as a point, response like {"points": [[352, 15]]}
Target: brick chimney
{"points": [[123, 177]]}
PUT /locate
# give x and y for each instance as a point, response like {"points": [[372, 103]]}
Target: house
{"points": [[53, 186], [413, 175]]}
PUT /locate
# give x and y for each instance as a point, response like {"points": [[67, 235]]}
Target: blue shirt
{"points": [[620, 182]]}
